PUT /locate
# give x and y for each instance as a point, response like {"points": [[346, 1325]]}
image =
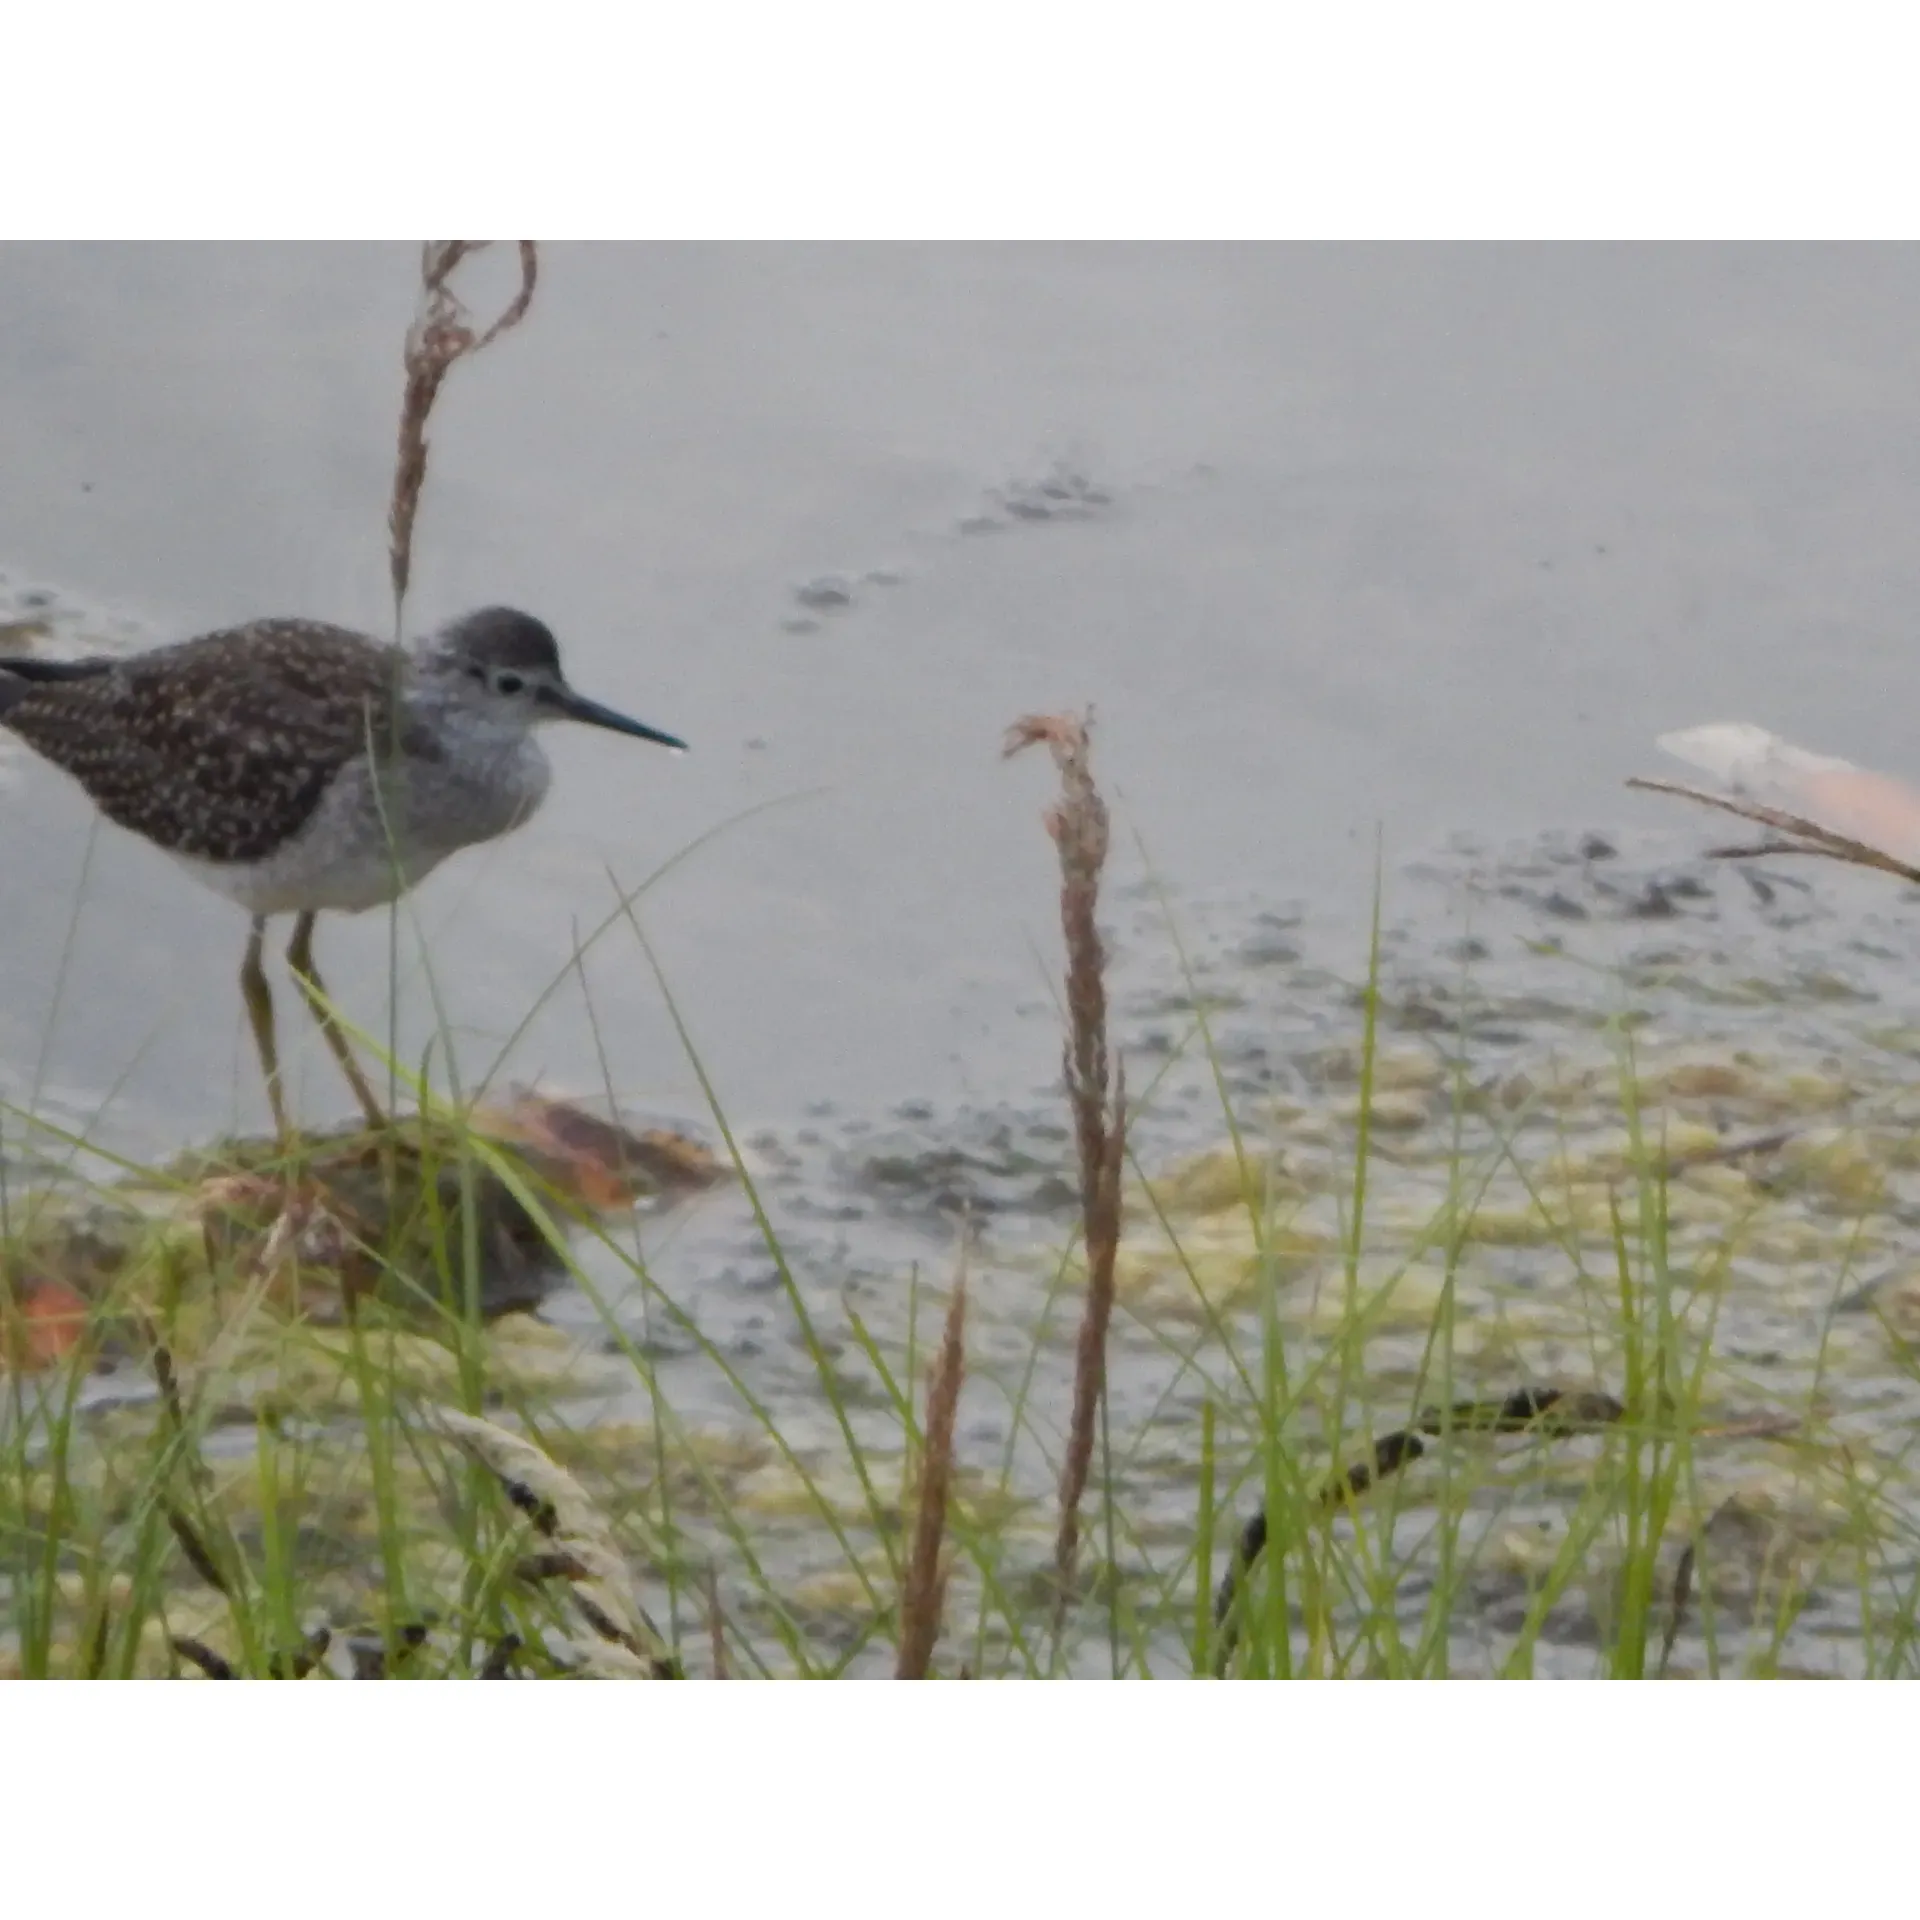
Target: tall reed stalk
{"points": [[1096, 1093], [923, 1594]]}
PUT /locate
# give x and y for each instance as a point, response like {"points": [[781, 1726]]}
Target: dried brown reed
{"points": [[442, 332], [923, 1595], [1096, 1091]]}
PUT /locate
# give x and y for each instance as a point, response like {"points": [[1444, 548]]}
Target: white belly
{"points": [[291, 882], [353, 854]]}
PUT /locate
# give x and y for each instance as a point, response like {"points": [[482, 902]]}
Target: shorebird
{"points": [[301, 768]]}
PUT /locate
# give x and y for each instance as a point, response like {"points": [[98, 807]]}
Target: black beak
{"points": [[572, 706]]}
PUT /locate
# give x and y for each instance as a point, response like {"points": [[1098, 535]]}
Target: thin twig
{"points": [[1753, 1144], [1808, 836], [924, 1593]]}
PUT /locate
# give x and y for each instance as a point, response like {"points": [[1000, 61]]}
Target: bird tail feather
{"points": [[19, 675]]}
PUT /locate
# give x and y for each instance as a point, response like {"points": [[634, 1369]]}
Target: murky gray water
{"points": [[1429, 539], [1422, 543]]}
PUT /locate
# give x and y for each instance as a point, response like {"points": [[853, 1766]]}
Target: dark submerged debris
{"points": [[364, 1217], [215, 1666], [195, 1549], [298, 1664], [499, 1660], [1677, 1608], [1542, 1411], [368, 1652], [372, 1217]]}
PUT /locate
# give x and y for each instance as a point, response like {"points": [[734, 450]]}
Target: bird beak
{"points": [[572, 706]]}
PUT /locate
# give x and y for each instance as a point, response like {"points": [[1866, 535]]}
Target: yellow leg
{"points": [[259, 998], [300, 959]]}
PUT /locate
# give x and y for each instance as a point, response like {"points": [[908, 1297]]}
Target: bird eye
{"points": [[508, 683]]}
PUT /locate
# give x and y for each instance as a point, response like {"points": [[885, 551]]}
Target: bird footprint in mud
{"points": [[1064, 490], [834, 593]]}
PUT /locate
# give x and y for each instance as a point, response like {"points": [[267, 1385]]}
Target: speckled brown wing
{"points": [[220, 747]]}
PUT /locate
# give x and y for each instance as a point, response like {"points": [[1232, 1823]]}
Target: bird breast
{"points": [[366, 843], [485, 782]]}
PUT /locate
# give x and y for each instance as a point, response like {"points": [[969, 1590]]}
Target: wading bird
{"points": [[302, 768]]}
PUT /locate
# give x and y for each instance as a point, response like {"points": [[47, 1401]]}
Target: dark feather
{"points": [[219, 747], [24, 667]]}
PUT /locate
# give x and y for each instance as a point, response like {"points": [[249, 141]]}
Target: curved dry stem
{"points": [[443, 332]]}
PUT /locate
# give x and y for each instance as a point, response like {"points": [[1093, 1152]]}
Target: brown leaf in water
{"points": [[597, 1162], [40, 1326]]}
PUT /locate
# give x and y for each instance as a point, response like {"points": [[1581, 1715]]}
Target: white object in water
{"points": [[1872, 808]]}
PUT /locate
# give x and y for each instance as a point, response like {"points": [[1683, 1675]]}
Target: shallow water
{"points": [[1411, 549], [1423, 540]]}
